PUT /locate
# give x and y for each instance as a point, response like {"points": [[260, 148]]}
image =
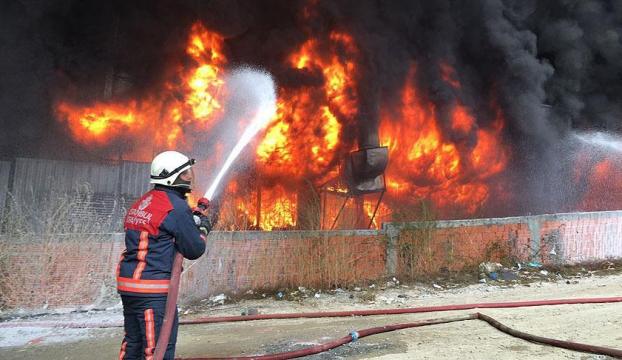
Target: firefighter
{"points": [[157, 225]]}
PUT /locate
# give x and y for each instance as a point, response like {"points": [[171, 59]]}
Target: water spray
{"points": [[253, 89], [252, 95], [601, 140]]}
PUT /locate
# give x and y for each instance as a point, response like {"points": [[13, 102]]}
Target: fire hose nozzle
{"points": [[202, 206], [203, 203], [200, 211]]}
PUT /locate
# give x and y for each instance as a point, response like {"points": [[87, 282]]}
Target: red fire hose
{"points": [[171, 307], [422, 309], [355, 335]]}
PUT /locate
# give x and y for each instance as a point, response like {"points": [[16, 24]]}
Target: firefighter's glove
{"points": [[203, 223]]}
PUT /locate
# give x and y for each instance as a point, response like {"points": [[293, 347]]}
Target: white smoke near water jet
{"points": [[250, 104]]}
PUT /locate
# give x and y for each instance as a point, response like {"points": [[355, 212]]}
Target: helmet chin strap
{"points": [[182, 184]]}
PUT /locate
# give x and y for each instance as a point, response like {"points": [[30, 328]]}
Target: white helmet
{"points": [[167, 166]]}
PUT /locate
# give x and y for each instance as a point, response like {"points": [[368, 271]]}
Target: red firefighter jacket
{"points": [[156, 226]]}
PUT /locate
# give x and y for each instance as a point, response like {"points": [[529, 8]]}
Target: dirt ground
{"points": [[597, 324]]}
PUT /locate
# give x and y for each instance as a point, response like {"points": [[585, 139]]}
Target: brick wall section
{"points": [[425, 251], [57, 272], [71, 271], [426, 248], [238, 261]]}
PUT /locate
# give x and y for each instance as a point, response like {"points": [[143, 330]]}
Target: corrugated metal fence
{"points": [[29, 181], [5, 170]]}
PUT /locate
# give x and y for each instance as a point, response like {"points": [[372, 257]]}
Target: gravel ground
{"points": [[597, 324]]}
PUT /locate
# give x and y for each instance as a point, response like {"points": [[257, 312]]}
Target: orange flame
{"points": [[305, 140], [204, 82], [105, 121], [303, 137], [100, 123], [278, 208], [428, 166]]}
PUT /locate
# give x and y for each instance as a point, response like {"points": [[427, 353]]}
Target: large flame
{"points": [[205, 81], [200, 103], [101, 123], [427, 166], [277, 210], [302, 140], [305, 142]]}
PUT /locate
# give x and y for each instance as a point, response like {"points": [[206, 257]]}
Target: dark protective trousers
{"points": [[143, 317]]}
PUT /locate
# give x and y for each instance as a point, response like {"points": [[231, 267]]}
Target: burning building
{"points": [[465, 108]]}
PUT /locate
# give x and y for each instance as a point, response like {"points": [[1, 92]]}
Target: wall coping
{"points": [[505, 220]]}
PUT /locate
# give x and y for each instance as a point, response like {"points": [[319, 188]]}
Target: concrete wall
{"points": [[72, 271]]}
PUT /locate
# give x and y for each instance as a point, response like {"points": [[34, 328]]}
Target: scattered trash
{"points": [[357, 289], [534, 264], [482, 280], [279, 295], [489, 269], [437, 286], [508, 275], [217, 299], [544, 272], [372, 286]]}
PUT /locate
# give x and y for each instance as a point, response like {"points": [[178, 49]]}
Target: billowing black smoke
{"points": [[551, 66]]}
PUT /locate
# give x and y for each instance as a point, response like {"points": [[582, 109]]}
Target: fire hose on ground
{"points": [[355, 335]]}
